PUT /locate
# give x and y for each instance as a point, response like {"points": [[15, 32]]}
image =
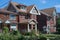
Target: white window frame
{"points": [[44, 28], [13, 26]]}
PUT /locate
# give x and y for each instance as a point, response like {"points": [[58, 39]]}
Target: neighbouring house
{"points": [[58, 22], [47, 20], [58, 15], [19, 17]]}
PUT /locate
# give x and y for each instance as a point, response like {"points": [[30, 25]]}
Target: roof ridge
{"points": [[49, 8]]}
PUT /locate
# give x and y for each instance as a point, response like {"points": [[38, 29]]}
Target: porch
{"points": [[28, 26]]}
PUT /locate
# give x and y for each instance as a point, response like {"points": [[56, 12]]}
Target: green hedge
{"points": [[15, 35]]}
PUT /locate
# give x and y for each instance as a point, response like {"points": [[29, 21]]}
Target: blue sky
{"points": [[40, 4]]}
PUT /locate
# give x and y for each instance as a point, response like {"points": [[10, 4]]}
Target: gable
{"points": [[32, 22], [54, 13], [11, 8], [34, 11]]}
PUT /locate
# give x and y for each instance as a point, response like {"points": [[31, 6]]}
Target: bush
{"points": [[5, 30], [14, 35], [57, 38], [42, 37]]}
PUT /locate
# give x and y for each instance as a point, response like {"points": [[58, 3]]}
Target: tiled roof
{"points": [[6, 11], [14, 4], [49, 11], [45, 13], [28, 8]]}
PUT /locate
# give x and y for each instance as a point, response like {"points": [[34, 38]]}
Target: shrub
{"points": [[5, 30], [42, 37], [57, 38]]}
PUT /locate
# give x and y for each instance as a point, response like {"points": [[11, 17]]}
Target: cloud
{"points": [[43, 1], [57, 6]]}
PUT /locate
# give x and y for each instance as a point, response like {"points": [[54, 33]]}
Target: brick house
{"points": [[47, 20], [19, 17], [58, 15]]}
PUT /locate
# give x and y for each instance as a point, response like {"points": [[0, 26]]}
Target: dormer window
{"points": [[22, 7]]}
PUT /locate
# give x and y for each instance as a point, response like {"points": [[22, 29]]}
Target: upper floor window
{"points": [[23, 8], [34, 10], [48, 18], [12, 17]]}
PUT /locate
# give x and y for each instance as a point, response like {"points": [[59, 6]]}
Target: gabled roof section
{"points": [[45, 13], [18, 8], [49, 11], [28, 8], [7, 12]]}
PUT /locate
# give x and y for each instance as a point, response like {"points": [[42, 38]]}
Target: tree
{"points": [[58, 25]]}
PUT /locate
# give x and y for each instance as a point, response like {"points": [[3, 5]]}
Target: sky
{"points": [[40, 4]]}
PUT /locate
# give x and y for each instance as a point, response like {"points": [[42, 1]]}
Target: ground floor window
{"points": [[33, 26], [44, 28], [13, 27]]}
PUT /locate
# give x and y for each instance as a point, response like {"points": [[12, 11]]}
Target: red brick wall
{"points": [[53, 29], [33, 16], [41, 21], [21, 18], [22, 27], [5, 17]]}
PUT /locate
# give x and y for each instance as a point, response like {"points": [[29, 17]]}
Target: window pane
{"points": [[12, 17], [13, 26]]}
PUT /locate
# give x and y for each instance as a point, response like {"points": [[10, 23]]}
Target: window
{"points": [[33, 26], [48, 18], [44, 28], [12, 17], [30, 26], [34, 10], [48, 27], [22, 7], [13, 26]]}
